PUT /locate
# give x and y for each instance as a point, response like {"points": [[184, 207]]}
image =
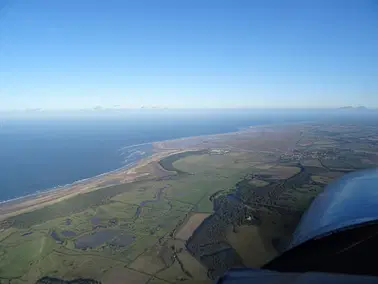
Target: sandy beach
{"points": [[119, 176]]}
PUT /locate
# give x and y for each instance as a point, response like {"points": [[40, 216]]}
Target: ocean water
{"points": [[39, 153]]}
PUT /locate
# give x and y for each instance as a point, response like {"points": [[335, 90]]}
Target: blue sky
{"points": [[76, 54]]}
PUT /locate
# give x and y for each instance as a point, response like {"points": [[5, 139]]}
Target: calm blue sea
{"points": [[39, 153]]}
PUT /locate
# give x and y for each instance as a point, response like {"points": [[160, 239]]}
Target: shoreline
{"points": [[127, 166], [79, 181], [124, 174], [62, 187]]}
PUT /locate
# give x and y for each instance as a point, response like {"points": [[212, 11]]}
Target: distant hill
{"points": [[353, 108]]}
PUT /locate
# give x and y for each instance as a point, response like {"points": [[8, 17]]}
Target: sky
{"points": [[78, 54]]}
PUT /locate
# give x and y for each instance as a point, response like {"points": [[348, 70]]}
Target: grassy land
{"points": [[149, 211], [167, 162], [254, 191]]}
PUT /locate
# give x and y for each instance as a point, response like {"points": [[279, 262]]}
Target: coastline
{"points": [[37, 200], [76, 182], [62, 187], [127, 166], [125, 174]]}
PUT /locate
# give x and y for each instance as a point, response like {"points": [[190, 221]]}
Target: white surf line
{"points": [[135, 145]]}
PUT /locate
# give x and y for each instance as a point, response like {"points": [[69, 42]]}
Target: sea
{"points": [[43, 151]]}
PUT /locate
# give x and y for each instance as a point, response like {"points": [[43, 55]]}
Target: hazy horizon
{"points": [[206, 114]]}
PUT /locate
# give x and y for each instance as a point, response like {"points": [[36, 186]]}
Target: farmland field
{"points": [[224, 201]]}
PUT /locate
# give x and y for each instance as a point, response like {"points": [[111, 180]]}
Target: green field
{"points": [[147, 211], [129, 230]]}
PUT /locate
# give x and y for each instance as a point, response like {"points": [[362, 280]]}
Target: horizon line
{"points": [[103, 109]]}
